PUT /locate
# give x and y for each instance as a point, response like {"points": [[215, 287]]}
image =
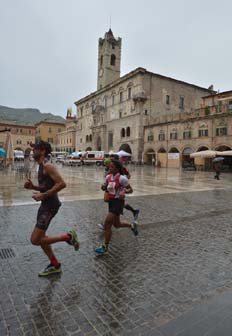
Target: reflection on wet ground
{"points": [[84, 183]]}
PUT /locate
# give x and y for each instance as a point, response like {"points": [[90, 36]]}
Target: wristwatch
{"points": [[46, 194]]}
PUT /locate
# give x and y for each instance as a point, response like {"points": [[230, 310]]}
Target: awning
{"points": [[204, 154]]}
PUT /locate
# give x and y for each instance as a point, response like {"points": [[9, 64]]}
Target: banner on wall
{"points": [[173, 156]]}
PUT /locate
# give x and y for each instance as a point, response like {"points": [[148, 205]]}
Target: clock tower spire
{"points": [[109, 59]]}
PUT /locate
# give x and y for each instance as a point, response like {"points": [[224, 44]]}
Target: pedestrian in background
{"points": [[217, 165]]}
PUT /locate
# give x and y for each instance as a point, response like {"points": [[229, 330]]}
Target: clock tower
{"points": [[109, 59]]}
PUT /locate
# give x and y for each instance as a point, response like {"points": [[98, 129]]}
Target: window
{"points": [[19, 142], [146, 112], [50, 140], [220, 131], [113, 45], [112, 59], [230, 105], [181, 102], [59, 130], [120, 114], [150, 137], [203, 133], [173, 136], [121, 97], [87, 138], [110, 140], [129, 93], [187, 135], [81, 110], [123, 132], [90, 137], [128, 131], [80, 140], [29, 131], [101, 60], [50, 130], [161, 136], [167, 99], [113, 100], [219, 106]]}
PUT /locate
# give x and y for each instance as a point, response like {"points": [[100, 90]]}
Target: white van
{"points": [[92, 157], [18, 155]]}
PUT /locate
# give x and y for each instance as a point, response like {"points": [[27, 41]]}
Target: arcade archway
{"points": [[126, 148], [150, 156]]}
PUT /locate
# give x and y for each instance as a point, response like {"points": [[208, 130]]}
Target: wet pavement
{"points": [[174, 278]]}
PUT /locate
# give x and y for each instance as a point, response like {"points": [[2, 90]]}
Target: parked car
{"points": [[73, 159], [60, 158]]}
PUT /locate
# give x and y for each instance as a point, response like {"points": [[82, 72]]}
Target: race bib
{"points": [[111, 188]]}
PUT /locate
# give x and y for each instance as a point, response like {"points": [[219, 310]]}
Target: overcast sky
{"points": [[48, 54]]}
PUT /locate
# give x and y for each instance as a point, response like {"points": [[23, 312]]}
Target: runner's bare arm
{"points": [[128, 189], [29, 185]]}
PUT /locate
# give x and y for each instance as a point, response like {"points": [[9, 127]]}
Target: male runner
{"points": [[50, 183]]}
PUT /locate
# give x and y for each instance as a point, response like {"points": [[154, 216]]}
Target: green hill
{"points": [[26, 115]]}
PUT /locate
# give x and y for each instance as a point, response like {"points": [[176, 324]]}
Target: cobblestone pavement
{"points": [[174, 278]]}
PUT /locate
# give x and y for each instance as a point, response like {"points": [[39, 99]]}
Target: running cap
{"points": [[42, 145], [107, 161]]}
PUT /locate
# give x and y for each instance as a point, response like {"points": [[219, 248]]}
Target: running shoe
{"points": [[101, 250], [134, 227], [50, 269], [74, 240], [101, 226], [136, 214]]}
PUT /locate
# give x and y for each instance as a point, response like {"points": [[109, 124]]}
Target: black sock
{"points": [[128, 207]]}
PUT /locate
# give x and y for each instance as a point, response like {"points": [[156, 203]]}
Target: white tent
{"points": [[225, 153], [122, 153], [204, 154]]}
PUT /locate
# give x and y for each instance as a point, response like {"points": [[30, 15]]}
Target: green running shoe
{"points": [[49, 270], [74, 240], [134, 227]]}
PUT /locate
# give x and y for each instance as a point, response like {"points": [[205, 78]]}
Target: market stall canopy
{"points": [[225, 153], [204, 154], [122, 153]]}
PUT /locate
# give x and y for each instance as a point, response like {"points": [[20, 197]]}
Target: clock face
{"points": [[100, 72]]}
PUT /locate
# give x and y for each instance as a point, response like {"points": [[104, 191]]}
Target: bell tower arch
{"points": [[109, 59]]}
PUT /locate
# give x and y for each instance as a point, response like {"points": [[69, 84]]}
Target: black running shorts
{"points": [[44, 216], [116, 206]]}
